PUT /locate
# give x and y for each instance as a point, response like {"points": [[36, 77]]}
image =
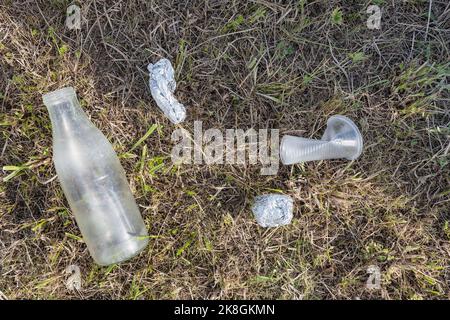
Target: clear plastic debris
{"points": [[74, 280], [94, 182], [162, 86], [341, 139], [273, 210]]}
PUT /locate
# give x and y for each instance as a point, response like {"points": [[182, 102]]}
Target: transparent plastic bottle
{"points": [[94, 182]]}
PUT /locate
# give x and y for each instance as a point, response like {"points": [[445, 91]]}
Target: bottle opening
{"points": [[58, 96]]}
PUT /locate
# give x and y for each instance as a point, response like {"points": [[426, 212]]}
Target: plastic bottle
{"points": [[94, 182]]}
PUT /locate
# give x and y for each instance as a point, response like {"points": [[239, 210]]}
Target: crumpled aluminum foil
{"points": [[162, 86], [273, 210]]}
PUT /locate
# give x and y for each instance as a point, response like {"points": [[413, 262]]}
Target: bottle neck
{"points": [[67, 117]]}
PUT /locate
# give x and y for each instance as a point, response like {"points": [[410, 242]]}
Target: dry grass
{"points": [[283, 64]]}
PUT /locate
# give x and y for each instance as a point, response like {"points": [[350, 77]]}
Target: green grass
{"points": [[238, 65]]}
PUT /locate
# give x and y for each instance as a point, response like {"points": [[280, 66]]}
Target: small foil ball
{"points": [[273, 210]]}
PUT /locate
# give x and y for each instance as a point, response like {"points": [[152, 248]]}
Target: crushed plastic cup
{"points": [[273, 210], [341, 139], [162, 86]]}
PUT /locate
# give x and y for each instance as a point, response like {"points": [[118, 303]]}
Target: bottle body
{"points": [[94, 183]]}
